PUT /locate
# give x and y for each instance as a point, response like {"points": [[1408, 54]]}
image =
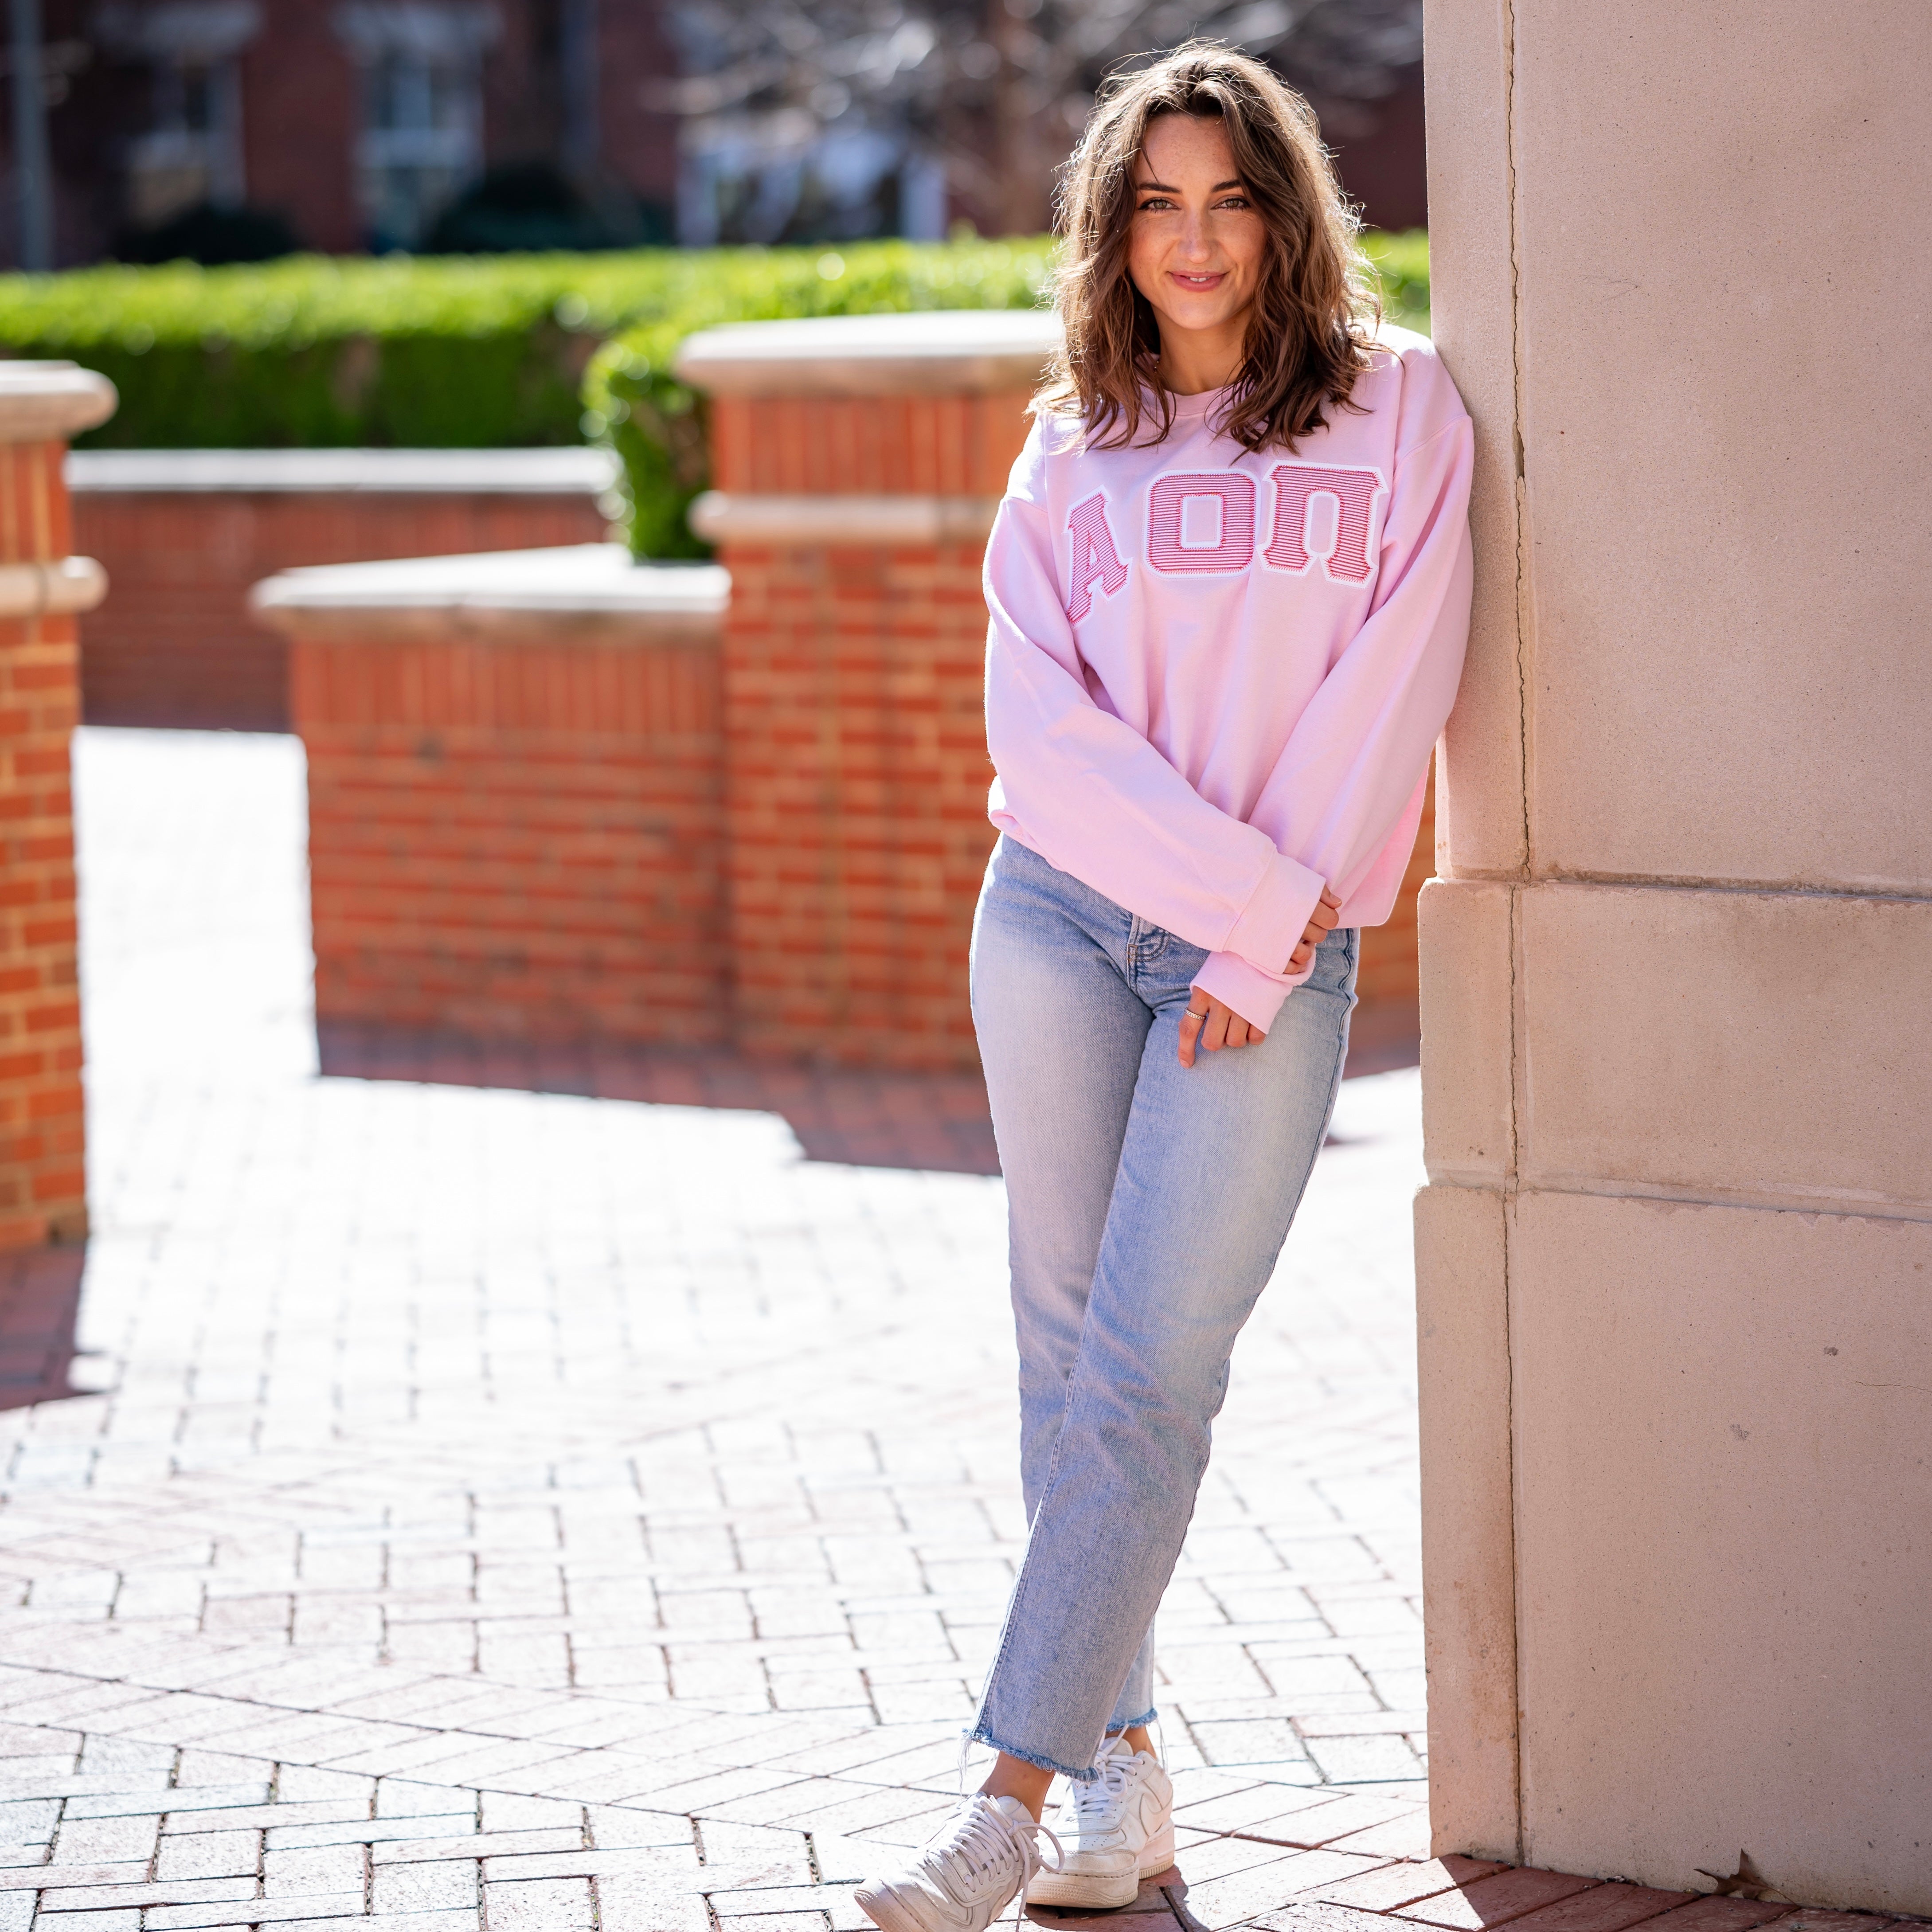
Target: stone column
{"points": [[42, 1176], [858, 462], [1675, 1259]]}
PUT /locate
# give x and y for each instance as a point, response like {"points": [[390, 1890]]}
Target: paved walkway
{"points": [[536, 1512]]}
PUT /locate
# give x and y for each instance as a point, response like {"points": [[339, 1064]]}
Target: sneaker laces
{"points": [[983, 1838], [1096, 1799]]}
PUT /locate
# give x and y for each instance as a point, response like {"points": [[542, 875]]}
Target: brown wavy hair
{"points": [[1316, 309]]}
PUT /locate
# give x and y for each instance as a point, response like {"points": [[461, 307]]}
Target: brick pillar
{"points": [[42, 1176], [858, 462]]}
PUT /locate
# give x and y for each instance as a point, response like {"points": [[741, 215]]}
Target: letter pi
{"points": [[1354, 490]]}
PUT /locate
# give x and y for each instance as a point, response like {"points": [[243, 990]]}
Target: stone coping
{"points": [[49, 402], [722, 518], [584, 591], [63, 588], [970, 352], [467, 473]]}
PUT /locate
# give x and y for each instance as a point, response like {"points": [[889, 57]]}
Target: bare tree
{"points": [[996, 91]]}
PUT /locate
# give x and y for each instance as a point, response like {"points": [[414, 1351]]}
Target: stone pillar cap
{"points": [[565, 471], [569, 590], [958, 351], [49, 402]]}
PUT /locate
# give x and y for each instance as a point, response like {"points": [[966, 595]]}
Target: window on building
{"points": [[421, 137], [191, 151], [779, 179]]}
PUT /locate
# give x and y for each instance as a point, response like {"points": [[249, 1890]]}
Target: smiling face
{"points": [[1196, 247]]}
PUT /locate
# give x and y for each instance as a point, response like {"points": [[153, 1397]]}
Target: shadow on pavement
{"points": [[40, 1301], [850, 1116]]}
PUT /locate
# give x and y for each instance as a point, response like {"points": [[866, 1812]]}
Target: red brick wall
{"points": [[174, 644], [42, 1181], [1386, 1030], [300, 113], [856, 758], [515, 839], [856, 789], [1387, 969]]}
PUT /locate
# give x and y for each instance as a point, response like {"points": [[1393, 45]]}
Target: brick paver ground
{"points": [[536, 1511]]}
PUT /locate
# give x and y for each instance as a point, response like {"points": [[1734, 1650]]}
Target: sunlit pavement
{"points": [[586, 1511]]}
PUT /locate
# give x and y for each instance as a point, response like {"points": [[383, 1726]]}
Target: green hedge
{"points": [[634, 402], [656, 424], [494, 352], [449, 353]]}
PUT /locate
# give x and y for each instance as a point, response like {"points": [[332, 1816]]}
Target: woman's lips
{"points": [[1198, 282]]}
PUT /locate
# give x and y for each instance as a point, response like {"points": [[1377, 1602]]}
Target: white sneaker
{"points": [[965, 1875], [1118, 1830]]}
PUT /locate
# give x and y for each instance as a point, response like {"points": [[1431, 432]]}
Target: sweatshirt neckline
{"points": [[1188, 408]]}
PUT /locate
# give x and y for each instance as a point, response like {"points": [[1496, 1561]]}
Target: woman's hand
{"points": [[1208, 1023], [1320, 923]]}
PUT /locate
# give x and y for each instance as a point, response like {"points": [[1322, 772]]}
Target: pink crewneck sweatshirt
{"points": [[1213, 676]]}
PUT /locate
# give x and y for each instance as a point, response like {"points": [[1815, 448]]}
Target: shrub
{"points": [[656, 424], [469, 352], [453, 352]]}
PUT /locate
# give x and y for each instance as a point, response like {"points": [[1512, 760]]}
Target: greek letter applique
{"points": [[1296, 485], [1200, 520], [1096, 560]]}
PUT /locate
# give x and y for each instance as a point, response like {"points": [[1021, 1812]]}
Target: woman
{"points": [[1229, 586]]}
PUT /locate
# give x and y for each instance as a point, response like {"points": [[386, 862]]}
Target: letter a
{"points": [[1353, 491], [1095, 558]]}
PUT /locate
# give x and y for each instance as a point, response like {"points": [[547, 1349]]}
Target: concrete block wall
{"points": [[1675, 1259], [184, 534], [42, 1174]]}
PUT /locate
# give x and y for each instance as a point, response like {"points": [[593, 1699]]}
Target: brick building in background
{"points": [[343, 125], [355, 124]]}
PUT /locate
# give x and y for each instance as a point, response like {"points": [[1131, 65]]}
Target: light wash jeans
{"points": [[1147, 1203]]}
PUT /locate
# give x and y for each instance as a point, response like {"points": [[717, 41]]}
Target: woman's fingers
{"points": [[1321, 922], [1208, 1024], [1191, 1023]]}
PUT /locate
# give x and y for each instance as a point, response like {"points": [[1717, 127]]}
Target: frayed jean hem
{"points": [[981, 1735], [1134, 1723]]}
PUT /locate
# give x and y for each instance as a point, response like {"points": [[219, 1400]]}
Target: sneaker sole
{"points": [[1102, 1889], [1088, 1888], [884, 1911]]}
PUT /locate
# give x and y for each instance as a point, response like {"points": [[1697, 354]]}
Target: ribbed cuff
{"points": [[1255, 996], [1270, 925]]}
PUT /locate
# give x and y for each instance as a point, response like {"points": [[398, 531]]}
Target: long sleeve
{"points": [[1093, 795], [1347, 786]]}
